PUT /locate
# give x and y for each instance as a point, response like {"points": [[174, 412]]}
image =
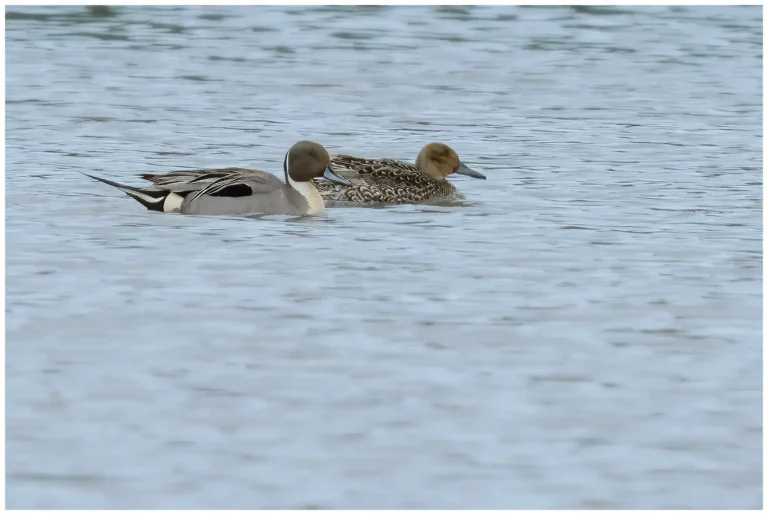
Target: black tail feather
{"points": [[151, 199]]}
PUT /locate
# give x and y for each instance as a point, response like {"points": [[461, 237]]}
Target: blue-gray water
{"points": [[584, 331]]}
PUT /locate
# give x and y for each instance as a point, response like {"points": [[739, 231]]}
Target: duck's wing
{"points": [[361, 169], [168, 191], [244, 192], [181, 181], [363, 172]]}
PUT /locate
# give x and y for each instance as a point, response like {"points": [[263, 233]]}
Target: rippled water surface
{"points": [[584, 331]]}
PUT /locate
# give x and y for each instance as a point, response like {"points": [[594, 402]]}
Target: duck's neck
{"points": [[310, 194], [429, 169], [315, 203]]}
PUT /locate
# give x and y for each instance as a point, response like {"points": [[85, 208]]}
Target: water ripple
{"points": [[583, 331]]}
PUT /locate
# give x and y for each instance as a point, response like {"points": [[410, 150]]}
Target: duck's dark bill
{"points": [[332, 176], [465, 170]]}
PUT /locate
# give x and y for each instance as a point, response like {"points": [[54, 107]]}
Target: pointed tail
{"points": [[151, 199]]}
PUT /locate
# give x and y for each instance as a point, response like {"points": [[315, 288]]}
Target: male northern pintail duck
{"points": [[239, 191], [390, 181]]}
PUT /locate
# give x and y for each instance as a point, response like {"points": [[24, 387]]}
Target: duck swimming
{"points": [[396, 182], [240, 191]]}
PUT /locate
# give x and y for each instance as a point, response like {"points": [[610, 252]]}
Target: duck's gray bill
{"points": [[465, 170], [332, 176]]}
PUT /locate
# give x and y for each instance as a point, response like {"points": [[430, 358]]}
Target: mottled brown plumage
{"points": [[396, 182]]}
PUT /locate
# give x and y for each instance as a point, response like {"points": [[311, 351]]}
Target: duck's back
{"points": [[382, 181]]}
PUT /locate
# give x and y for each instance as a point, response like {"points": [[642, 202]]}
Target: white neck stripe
{"points": [[285, 168]]}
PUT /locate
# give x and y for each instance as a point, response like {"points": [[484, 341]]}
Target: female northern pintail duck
{"points": [[239, 191], [390, 181]]}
